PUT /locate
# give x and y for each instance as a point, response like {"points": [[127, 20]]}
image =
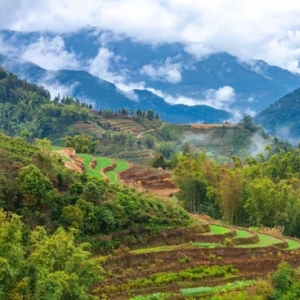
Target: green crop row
{"points": [[204, 290], [163, 278]]}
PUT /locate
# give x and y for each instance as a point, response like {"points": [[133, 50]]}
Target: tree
{"points": [[3, 73], [72, 216], [36, 189], [229, 192], [81, 143], [149, 139], [150, 115], [167, 148], [91, 193], [55, 268], [158, 161], [193, 186], [247, 123], [11, 252], [43, 144]]}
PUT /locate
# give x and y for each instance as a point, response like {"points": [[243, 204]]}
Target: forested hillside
{"points": [[282, 117], [26, 109], [37, 190]]}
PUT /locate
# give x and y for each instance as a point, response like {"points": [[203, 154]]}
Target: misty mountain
{"points": [[170, 69], [282, 117], [105, 95]]}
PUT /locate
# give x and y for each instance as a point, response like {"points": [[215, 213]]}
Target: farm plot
{"points": [[112, 175]]}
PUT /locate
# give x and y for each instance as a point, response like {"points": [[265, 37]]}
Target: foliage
{"points": [[261, 192], [81, 143], [26, 109], [52, 267], [194, 274], [217, 289]]}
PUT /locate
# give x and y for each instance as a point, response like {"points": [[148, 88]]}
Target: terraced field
{"points": [[112, 175], [186, 264], [87, 160], [98, 169]]}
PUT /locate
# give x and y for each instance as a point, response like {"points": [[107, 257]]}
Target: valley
{"points": [[120, 204]]}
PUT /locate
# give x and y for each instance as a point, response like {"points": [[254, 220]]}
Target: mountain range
{"points": [[113, 71]]}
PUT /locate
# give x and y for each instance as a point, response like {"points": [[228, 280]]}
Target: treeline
{"points": [[124, 112], [26, 109], [261, 191]]}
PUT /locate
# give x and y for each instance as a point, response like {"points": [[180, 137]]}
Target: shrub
{"points": [[282, 278]]}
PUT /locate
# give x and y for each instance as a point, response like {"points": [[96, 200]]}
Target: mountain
{"points": [[170, 68], [105, 95], [282, 117]]}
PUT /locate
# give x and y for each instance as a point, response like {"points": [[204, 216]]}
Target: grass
{"points": [[242, 233], [175, 247], [207, 245], [292, 244], [264, 241], [206, 290], [121, 165], [87, 159], [216, 229], [102, 162], [156, 249]]}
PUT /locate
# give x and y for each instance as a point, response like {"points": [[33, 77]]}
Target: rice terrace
{"points": [[201, 261]]}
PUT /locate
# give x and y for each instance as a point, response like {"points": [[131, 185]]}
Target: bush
{"points": [[282, 278]]}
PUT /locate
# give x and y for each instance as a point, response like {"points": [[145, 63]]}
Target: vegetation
{"points": [[282, 116], [50, 267], [56, 225], [260, 191]]}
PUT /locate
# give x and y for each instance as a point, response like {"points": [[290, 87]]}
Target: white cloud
{"points": [[257, 146], [55, 88], [257, 29], [100, 66], [6, 48], [131, 95], [50, 53], [219, 99], [222, 98], [168, 71]]}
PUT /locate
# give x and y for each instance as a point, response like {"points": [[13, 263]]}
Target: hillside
{"points": [[282, 117], [135, 135], [142, 247]]}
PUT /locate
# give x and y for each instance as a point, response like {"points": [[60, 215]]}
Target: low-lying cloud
{"points": [[50, 54], [168, 71]]}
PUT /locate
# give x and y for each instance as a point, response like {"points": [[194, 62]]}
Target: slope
{"points": [[282, 117]]}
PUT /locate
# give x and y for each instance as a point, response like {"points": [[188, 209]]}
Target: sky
{"points": [[258, 29], [249, 29]]}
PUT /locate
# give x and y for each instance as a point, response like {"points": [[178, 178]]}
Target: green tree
{"points": [[229, 193], [36, 189], [150, 115], [43, 144]]}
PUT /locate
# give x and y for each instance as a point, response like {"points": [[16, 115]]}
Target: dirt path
{"points": [[150, 130], [75, 163]]}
